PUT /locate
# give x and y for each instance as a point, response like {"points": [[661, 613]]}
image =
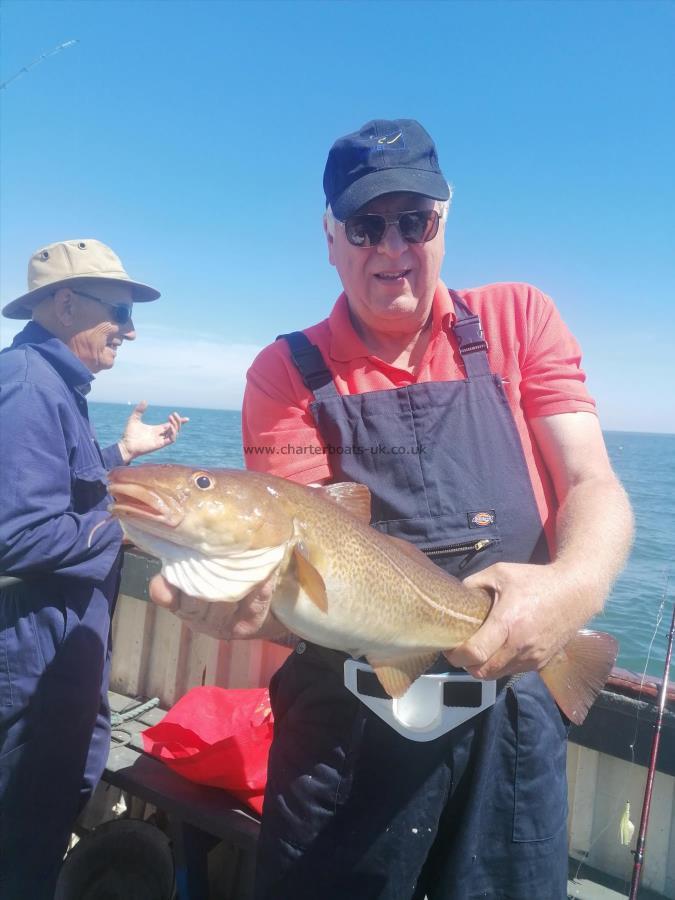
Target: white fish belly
{"points": [[344, 626]]}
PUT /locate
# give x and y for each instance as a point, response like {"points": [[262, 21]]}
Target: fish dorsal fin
{"points": [[396, 674], [310, 579], [354, 498]]}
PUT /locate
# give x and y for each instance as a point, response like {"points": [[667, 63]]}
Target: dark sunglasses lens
{"points": [[419, 227], [121, 314], [365, 231]]}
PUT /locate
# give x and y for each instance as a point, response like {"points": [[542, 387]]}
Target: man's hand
{"points": [[249, 618], [530, 620], [140, 438], [537, 609]]}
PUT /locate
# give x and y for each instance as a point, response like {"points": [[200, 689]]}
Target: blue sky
{"points": [[191, 137]]}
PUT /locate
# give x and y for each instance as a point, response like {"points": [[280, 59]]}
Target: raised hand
{"points": [[140, 438]]}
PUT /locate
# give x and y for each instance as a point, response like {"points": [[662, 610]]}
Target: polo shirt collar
{"points": [[346, 345], [73, 371]]}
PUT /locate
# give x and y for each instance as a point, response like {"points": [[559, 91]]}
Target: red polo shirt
{"points": [[529, 346]]}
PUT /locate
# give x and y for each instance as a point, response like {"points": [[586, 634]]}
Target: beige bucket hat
{"points": [[67, 263]]}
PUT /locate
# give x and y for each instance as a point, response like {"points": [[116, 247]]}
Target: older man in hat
{"points": [[471, 425], [57, 538]]}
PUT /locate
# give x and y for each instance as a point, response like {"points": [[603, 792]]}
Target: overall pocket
{"points": [[540, 787], [33, 625], [465, 553]]}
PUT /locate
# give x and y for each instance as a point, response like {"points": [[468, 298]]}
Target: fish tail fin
{"points": [[577, 674]]}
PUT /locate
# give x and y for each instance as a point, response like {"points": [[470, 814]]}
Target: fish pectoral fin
{"points": [[398, 673], [354, 498], [576, 675], [310, 580]]}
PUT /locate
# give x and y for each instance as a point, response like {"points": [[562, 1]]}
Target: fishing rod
{"points": [[649, 787], [48, 53]]}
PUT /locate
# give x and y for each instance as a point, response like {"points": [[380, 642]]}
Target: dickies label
{"points": [[481, 517]]}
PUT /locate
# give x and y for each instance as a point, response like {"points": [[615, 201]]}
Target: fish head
{"points": [[214, 511]]}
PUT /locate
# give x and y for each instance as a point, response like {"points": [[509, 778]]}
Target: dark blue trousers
{"points": [[54, 724], [353, 809]]}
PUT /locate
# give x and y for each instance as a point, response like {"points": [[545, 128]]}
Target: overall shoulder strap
{"points": [[310, 364], [472, 344]]}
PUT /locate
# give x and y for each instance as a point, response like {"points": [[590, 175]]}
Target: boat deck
{"points": [[199, 818], [590, 884]]}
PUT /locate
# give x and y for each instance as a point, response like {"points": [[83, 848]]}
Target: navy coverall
{"points": [[353, 809], [54, 624]]}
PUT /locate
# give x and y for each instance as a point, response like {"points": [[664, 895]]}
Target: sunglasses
{"points": [[121, 313], [416, 226]]}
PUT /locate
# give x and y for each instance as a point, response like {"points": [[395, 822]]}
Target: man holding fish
{"points": [[62, 548], [466, 415]]}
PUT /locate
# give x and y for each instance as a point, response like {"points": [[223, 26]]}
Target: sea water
{"points": [[640, 606]]}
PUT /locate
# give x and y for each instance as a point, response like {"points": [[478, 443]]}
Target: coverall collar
{"points": [[73, 371]]}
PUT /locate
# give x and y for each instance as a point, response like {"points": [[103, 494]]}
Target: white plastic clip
{"points": [[421, 714]]}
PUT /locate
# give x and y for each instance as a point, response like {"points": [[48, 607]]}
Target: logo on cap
{"points": [[394, 140]]}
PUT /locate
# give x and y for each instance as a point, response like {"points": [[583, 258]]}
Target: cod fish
{"points": [[342, 584]]}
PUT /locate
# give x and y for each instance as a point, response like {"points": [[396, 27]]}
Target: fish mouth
{"points": [[136, 501]]}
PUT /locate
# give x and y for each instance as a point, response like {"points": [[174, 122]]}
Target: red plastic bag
{"points": [[218, 737]]}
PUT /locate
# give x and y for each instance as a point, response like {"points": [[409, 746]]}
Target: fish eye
{"points": [[203, 482]]}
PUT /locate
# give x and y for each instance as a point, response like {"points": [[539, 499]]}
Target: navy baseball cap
{"points": [[382, 157]]}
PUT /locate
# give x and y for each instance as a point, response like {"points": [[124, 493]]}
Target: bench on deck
{"points": [[199, 817]]}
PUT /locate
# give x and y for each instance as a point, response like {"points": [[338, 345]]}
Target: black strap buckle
{"points": [[308, 360]]}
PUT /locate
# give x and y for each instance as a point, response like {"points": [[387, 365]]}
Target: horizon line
{"points": [[238, 410]]}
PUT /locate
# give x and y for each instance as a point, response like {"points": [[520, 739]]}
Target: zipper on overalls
{"points": [[469, 548]]}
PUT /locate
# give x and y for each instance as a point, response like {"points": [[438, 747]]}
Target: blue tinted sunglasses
{"points": [[121, 313]]}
